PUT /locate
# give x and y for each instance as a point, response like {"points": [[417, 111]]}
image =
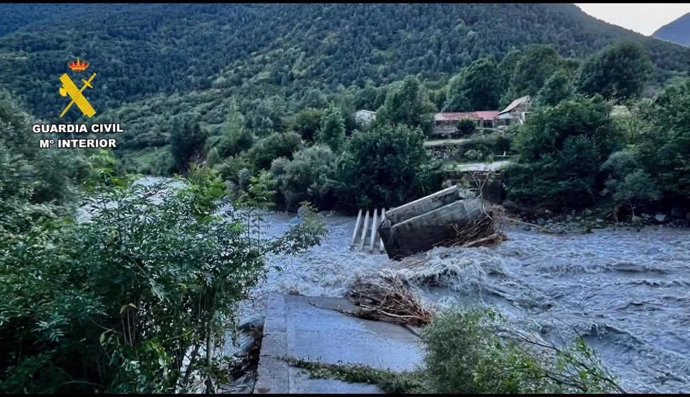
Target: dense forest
{"points": [[146, 50]]}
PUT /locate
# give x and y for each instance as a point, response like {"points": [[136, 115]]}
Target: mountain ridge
{"points": [[677, 31], [147, 50]]}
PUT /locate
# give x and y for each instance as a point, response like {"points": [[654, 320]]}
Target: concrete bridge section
{"points": [[312, 328]]}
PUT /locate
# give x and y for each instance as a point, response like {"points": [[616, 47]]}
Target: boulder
{"points": [[661, 218]]}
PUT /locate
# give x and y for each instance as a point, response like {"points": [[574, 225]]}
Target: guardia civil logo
{"points": [[78, 102], [69, 88]]}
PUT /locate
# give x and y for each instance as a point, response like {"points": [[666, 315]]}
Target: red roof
{"points": [[484, 115], [487, 115]]}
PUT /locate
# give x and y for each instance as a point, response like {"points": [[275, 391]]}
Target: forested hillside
{"points": [[677, 31], [144, 50]]}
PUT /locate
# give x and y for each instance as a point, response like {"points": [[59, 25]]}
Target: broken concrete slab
{"points": [[422, 231], [312, 329]]}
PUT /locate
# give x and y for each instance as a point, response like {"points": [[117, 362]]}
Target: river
{"points": [[626, 292]]}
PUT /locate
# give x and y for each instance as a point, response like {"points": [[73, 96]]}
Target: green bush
{"points": [[274, 146], [309, 176], [381, 167], [307, 123], [466, 127], [186, 143], [332, 131], [561, 151], [664, 148], [115, 304], [629, 183], [474, 352], [483, 148]]}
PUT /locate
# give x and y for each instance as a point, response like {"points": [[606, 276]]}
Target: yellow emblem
{"points": [[76, 94]]}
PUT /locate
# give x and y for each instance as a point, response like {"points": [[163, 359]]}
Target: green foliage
{"points": [[466, 127], [475, 88], [557, 88], [561, 151], [229, 169], [274, 146], [665, 145], [619, 71], [381, 167], [484, 148], [332, 132], [629, 183], [260, 192], [114, 304], [307, 123], [388, 381], [309, 176], [536, 65], [186, 143], [470, 352], [407, 104], [505, 70], [213, 157], [235, 137]]}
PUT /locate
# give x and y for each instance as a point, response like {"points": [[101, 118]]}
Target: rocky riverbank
{"points": [[584, 221]]}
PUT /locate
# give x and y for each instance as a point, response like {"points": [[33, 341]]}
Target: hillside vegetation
{"points": [[144, 50]]}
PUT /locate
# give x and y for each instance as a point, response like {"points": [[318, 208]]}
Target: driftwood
{"points": [[387, 299]]}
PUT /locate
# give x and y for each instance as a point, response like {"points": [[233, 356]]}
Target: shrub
{"points": [[186, 143], [332, 132], [561, 151], [381, 167], [466, 127], [474, 352], [629, 183], [309, 176], [115, 304], [274, 146], [307, 123], [665, 146]]}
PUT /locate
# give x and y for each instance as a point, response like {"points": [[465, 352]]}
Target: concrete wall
{"points": [[424, 231]]}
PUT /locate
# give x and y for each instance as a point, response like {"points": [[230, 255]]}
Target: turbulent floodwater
{"points": [[627, 292]]}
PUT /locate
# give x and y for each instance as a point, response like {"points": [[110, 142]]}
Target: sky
{"points": [[641, 18]]}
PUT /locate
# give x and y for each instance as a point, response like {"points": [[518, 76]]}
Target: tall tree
{"points": [[382, 166], [408, 104], [556, 89], [332, 131], [619, 71], [478, 84], [186, 142], [537, 64], [665, 146], [236, 138], [307, 123]]}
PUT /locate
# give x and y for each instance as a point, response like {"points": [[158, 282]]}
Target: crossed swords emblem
{"points": [[78, 98]]}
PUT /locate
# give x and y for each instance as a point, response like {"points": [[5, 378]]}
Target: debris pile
{"points": [[388, 299], [483, 230]]}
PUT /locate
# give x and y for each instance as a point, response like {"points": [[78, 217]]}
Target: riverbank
{"points": [[584, 221]]}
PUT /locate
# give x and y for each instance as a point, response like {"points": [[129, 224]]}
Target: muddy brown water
{"points": [[626, 292]]}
